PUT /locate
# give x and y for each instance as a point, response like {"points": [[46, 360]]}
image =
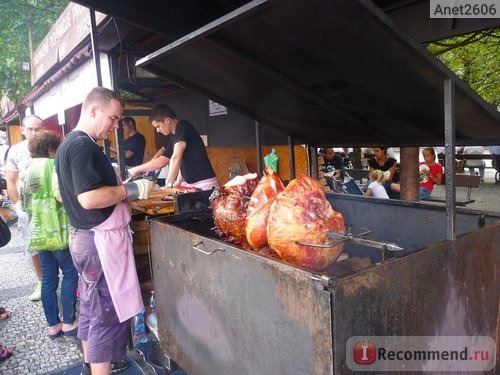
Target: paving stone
{"points": [[26, 330]]}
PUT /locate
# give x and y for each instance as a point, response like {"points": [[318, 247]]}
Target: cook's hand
{"points": [[133, 172], [138, 189]]}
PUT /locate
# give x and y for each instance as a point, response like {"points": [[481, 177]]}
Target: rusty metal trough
{"points": [[326, 72], [225, 310]]}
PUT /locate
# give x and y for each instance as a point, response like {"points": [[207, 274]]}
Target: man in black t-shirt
{"points": [[134, 145], [332, 162], [185, 152], [332, 167], [97, 206]]}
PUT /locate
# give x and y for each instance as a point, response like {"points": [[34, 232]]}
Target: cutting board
{"points": [[8, 214], [154, 205]]}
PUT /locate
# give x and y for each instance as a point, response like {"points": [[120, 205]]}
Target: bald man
{"points": [[18, 160]]}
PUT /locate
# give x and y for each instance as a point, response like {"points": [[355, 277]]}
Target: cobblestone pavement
{"points": [[26, 330]]}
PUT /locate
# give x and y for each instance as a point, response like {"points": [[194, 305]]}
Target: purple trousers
{"points": [[98, 323]]}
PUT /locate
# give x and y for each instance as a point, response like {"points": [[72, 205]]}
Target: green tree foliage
{"points": [[16, 18], [475, 58]]}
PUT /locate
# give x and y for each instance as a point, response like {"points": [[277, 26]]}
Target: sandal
{"points": [[4, 314], [73, 328], [55, 331], [5, 353]]}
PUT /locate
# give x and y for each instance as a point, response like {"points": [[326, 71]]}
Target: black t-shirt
{"points": [[195, 165], [136, 144], [81, 166], [332, 165], [387, 165]]}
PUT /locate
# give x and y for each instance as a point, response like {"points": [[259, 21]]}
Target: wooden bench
{"points": [[461, 180], [476, 157], [473, 157]]}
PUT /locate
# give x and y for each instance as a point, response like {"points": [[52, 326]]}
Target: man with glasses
{"points": [[18, 160]]}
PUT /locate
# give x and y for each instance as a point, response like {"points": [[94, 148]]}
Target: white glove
{"points": [[138, 189], [145, 187]]}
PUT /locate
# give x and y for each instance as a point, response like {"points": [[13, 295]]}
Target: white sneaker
{"points": [[37, 292]]}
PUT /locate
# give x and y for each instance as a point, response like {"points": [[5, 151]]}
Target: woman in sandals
{"points": [[4, 314], [48, 233], [4, 352]]}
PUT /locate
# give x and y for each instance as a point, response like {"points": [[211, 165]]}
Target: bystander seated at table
{"points": [[431, 173], [495, 150], [331, 168], [385, 163], [376, 188], [472, 164]]}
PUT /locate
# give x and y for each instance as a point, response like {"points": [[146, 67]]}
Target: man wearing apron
{"points": [[100, 242]]}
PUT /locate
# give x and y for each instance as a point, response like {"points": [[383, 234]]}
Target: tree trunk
{"points": [[410, 185]]}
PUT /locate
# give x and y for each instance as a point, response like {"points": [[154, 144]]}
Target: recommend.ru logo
{"points": [[420, 353]]}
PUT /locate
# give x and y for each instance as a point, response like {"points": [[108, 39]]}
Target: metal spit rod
{"points": [[390, 246], [348, 236]]}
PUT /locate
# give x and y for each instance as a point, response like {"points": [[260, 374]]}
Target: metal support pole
{"points": [[95, 47], [291, 154], [120, 150], [313, 162], [449, 137], [97, 62], [260, 169]]}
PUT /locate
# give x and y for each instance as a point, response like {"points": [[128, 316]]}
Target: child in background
{"points": [[431, 173], [376, 188]]}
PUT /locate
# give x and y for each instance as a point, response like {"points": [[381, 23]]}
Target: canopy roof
{"points": [[175, 18], [342, 72], [325, 72]]}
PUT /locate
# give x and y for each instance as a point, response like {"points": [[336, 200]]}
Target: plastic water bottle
{"points": [[152, 300], [151, 320], [139, 328]]}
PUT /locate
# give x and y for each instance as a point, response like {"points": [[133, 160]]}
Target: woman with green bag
{"points": [[48, 233]]}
